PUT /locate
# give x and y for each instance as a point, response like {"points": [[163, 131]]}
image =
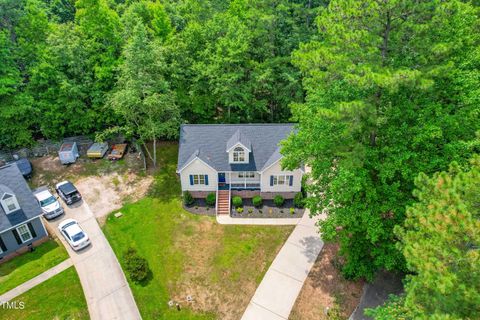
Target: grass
{"points": [[30, 264], [219, 266], [60, 297]]}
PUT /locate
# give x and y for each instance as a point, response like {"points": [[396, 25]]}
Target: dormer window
{"points": [[9, 203], [238, 154]]}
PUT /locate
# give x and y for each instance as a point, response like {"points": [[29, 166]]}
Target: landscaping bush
{"points": [[278, 200], [257, 201], [237, 201], [210, 199], [240, 210], [299, 200], [188, 199], [250, 210], [136, 266], [292, 211]]}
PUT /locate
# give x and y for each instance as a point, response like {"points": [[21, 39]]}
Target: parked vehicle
{"points": [[68, 152], [50, 206], [67, 191], [118, 151], [97, 150], [25, 167], [73, 233]]}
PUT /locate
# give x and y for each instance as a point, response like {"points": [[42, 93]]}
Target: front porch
{"points": [[239, 181]]}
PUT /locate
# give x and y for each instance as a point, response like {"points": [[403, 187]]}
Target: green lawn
{"points": [[30, 264], [219, 266], [60, 297]]}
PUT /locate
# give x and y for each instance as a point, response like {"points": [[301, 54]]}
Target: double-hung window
{"points": [[281, 180], [24, 233], [198, 179], [238, 154], [246, 174]]}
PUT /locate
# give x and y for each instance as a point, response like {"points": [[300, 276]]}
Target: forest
{"points": [[385, 95]]}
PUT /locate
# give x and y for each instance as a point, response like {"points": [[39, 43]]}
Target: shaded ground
{"points": [[30, 264], [377, 292], [267, 210], [105, 185], [325, 290], [60, 297], [200, 207], [191, 255]]}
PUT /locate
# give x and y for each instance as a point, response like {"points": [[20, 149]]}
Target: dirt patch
{"points": [[104, 185], [326, 294], [110, 192]]}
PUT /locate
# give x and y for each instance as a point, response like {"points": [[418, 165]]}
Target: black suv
{"points": [[67, 191]]}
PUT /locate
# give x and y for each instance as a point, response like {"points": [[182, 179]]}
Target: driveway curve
{"points": [[104, 284]]}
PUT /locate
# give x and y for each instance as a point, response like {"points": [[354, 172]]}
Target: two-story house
{"points": [[230, 160], [20, 215]]}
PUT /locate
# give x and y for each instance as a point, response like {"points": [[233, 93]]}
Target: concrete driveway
{"points": [[283, 281], [104, 284]]}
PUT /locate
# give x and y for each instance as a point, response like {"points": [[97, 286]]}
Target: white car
{"points": [[75, 236], [50, 206]]}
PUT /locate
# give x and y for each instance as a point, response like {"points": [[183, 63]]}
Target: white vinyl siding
{"points": [[238, 154], [276, 171], [247, 174], [198, 167]]}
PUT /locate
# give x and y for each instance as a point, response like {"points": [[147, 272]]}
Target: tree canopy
{"points": [[391, 91]]}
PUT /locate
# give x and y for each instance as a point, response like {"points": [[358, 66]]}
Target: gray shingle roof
{"points": [[209, 142], [12, 181], [239, 137]]}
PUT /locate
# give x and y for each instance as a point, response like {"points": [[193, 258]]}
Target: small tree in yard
{"points": [[142, 96], [211, 199], [298, 200], [136, 266]]}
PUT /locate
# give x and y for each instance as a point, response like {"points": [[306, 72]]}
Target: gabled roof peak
{"points": [[239, 138]]}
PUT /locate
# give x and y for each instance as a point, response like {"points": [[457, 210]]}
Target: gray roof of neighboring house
{"points": [[210, 142], [12, 181]]}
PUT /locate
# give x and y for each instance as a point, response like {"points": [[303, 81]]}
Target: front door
{"points": [[221, 178]]}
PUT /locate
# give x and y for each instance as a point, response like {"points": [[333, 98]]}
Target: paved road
{"points": [[24, 287], [276, 294], [105, 287]]}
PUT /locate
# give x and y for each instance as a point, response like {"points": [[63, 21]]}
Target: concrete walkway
{"points": [[227, 219], [276, 294], [105, 287], [24, 287]]}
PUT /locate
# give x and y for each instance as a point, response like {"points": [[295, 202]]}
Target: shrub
{"points": [[210, 199], [298, 200], [188, 200], [250, 210], [240, 210], [292, 211], [260, 211], [136, 266], [257, 201], [278, 200], [237, 201]]}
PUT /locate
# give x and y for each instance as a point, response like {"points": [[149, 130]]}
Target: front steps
{"points": [[223, 202]]}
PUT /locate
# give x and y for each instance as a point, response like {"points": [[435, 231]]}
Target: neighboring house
{"points": [[20, 215], [239, 160]]}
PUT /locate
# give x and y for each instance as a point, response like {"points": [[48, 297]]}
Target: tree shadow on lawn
{"points": [[166, 185]]}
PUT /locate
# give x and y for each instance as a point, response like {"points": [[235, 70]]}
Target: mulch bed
{"points": [[200, 207], [267, 210]]}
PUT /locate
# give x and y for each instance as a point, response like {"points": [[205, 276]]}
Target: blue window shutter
{"points": [[191, 179], [291, 181], [206, 179], [271, 181]]}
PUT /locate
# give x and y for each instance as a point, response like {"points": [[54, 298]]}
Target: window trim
{"points": [[20, 233], [5, 205], [286, 179], [237, 152], [197, 179], [246, 174]]}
